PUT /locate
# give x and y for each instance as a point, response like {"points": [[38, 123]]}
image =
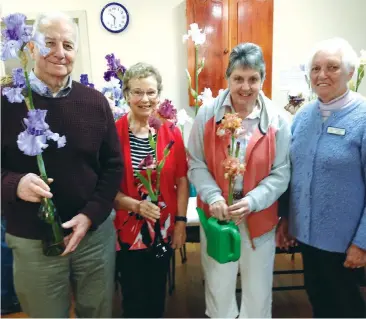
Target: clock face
{"points": [[114, 17]]}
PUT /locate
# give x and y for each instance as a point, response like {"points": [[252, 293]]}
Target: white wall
{"points": [[156, 28], [300, 24], [154, 35]]}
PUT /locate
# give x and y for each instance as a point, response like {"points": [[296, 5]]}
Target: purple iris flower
{"points": [[117, 93], [118, 112], [40, 42], [16, 34], [85, 80], [109, 74], [115, 67], [18, 78], [33, 140], [114, 64], [13, 34], [167, 110], [26, 34], [10, 34], [154, 122], [14, 20], [14, 95], [147, 162], [9, 49]]}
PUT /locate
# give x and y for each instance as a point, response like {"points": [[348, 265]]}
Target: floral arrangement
{"points": [[166, 112], [295, 101], [231, 127], [112, 86], [198, 37], [151, 168], [17, 88], [360, 72]]}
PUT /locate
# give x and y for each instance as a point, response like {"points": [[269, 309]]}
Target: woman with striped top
{"points": [[142, 277]]}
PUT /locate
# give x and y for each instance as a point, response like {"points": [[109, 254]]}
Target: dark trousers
{"points": [[143, 283], [333, 290]]}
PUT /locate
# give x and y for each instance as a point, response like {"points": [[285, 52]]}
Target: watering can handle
{"points": [[236, 243]]}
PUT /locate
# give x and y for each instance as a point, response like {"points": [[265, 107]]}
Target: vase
{"points": [[52, 231], [159, 247]]}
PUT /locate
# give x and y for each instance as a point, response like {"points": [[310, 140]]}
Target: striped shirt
{"points": [[140, 148]]}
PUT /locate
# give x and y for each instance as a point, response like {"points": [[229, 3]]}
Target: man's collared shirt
{"points": [[38, 87]]}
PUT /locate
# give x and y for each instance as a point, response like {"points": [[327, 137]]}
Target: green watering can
{"points": [[223, 238]]}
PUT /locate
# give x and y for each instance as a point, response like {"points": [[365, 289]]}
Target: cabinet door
{"points": [[252, 21], [211, 15]]}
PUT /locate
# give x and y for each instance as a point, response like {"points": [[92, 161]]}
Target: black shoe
{"points": [[12, 309]]}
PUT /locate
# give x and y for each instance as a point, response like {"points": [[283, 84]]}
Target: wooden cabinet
{"points": [[227, 23]]}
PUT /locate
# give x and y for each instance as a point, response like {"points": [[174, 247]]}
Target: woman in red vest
{"points": [[264, 147], [142, 275]]}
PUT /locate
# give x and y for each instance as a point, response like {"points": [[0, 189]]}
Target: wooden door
{"points": [[252, 21], [211, 15]]}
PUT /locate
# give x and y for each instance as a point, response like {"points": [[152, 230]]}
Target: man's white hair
{"points": [[337, 45], [48, 17]]}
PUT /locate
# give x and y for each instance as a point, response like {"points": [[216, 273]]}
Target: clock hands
{"points": [[114, 19]]}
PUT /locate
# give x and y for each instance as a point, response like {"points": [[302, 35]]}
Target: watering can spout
{"points": [[203, 219]]}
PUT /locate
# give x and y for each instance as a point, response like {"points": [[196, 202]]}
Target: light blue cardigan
{"points": [[328, 184]]}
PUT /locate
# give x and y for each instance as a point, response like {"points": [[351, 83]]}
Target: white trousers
{"points": [[256, 274]]}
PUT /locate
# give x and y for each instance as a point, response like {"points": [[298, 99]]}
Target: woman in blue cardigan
{"points": [[327, 213]]}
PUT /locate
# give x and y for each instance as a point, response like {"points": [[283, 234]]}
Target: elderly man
{"points": [[86, 174]]}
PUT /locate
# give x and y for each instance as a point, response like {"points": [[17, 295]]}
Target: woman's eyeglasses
{"points": [[151, 95]]}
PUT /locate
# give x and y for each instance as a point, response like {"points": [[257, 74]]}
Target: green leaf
{"points": [[161, 165], [166, 152], [147, 185], [189, 78], [192, 91], [152, 141]]}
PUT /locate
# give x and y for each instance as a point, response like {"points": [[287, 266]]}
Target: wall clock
{"points": [[114, 17]]}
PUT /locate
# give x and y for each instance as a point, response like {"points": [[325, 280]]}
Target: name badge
{"points": [[336, 130]]}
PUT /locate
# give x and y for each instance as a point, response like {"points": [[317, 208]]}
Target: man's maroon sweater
{"points": [[87, 172]]}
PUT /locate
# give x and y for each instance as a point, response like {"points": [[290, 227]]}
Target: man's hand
{"points": [[179, 235], [219, 210], [356, 257], [32, 188], [80, 225]]}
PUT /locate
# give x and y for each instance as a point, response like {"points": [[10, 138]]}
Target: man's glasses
{"points": [[139, 94]]}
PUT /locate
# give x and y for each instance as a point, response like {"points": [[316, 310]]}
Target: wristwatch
{"points": [[180, 219]]}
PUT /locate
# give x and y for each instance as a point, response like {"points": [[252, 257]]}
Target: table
{"points": [[192, 215]]}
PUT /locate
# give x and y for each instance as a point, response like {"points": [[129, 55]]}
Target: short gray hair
{"points": [[141, 71], [336, 45], [247, 55], [48, 17]]}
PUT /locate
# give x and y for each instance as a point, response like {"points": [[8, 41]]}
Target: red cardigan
{"points": [[127, 223]]}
